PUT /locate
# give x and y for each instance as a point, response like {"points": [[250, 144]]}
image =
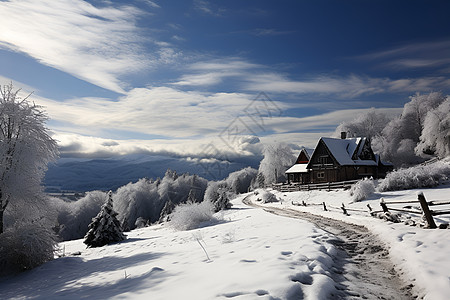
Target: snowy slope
{"points": [[252, 254], [248, 254]]}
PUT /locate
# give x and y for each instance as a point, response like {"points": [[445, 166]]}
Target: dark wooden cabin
{"points": [[336, 160]]}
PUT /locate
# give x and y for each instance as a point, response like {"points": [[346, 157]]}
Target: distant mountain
{"points": [[81, 175]]}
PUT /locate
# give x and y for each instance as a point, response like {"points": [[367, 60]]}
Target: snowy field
{"points": [[247, 254]]}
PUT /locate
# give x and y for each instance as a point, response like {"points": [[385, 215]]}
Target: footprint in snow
{"points": [[248, 260]]}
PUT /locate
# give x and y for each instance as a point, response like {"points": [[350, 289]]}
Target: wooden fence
{"points": [[424, 209], [283, 187]]}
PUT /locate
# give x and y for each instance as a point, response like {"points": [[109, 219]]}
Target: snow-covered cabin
{"points": [[299, 172], [339, 160]]}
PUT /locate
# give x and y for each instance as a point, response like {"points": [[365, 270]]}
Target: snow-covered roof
{"points": [[298, 168], [343, 150]]}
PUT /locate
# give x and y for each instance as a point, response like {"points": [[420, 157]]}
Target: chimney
{"points": [[343, 135]]}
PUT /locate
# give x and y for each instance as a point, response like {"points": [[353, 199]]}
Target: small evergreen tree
{"points": [[104, 228], [223, 202]]}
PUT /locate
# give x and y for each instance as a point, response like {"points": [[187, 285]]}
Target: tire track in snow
{"points": [[363, 269]]}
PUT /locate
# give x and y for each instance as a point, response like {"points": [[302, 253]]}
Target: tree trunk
{"points": [[1, 221]]}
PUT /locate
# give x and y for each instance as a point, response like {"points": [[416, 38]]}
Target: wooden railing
{"points": [[282, 187], [422, 207], [423, 210]]}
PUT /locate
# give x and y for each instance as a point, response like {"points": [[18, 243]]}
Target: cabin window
{"points": [[324, 160], [321, 175]]}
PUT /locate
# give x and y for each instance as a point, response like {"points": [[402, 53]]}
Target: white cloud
{"points": [[96, 44], [255, 78], [207, 8], [434, 54], [159, 111], [194, 124]]}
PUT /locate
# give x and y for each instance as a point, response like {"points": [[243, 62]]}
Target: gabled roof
{"points": [[308, 152], [344, 149]]}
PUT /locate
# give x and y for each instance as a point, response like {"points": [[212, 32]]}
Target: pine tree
{"points": [[223, 202], [104, 228]]}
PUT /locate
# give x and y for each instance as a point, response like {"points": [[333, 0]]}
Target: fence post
{"points": [[426, 211], [324, 206], [344, 210], [383, 205]]}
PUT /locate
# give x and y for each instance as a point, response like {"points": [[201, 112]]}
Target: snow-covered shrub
{"points": [[104, 228], [140, 222], [74, 217], [416, 177], [212, 192], [239, 182], [189, 215], [266, 197], [25, 246], [149, 199], [362, 189]]}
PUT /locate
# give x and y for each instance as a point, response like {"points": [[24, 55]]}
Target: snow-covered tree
{"points": [[104, 228], [25, 150], [277, 159], [435, 137], [368, 125], [401, 135]]}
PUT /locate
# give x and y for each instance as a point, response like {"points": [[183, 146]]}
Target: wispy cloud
{"points": [[152, 4], [252, 77], [269, 32], [434, 54], [96, 44], [207, 8]]}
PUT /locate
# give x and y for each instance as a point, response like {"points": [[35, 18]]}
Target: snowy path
{"points": [[364, 268]]}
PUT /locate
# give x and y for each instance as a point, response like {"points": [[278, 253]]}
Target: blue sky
{"points": [[203, 78]]}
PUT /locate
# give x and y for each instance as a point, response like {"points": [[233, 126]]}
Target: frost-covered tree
{"points": [[75, 216], [104, 228], [277, 159], [401, 135], [367, 125], [25, 150], [435, 137], [149, 199]]}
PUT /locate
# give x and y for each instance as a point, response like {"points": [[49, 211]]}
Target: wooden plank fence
{"points": [[424, 210], [282, 187], [388, 206]]}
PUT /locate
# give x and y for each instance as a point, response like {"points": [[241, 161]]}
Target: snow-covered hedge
{"points": [[25, 246], [416, 177], [362, 189], [189, 215]]}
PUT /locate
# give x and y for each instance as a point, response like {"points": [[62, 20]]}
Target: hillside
{"points": [[246, 253]]}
